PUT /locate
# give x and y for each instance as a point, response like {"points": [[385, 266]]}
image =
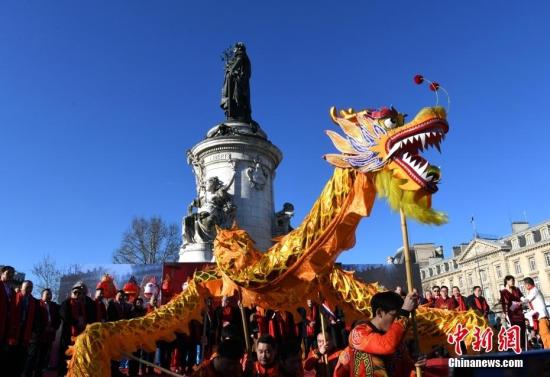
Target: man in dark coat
{"points": [[26, 323], [477, 302], [7, 301], [41, 342], [75, 317], [117, 309]]}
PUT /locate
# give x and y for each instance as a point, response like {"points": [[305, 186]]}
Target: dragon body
{"points": [[380, 156]]}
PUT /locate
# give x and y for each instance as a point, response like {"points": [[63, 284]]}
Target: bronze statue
{"points": [[214, 207], [236, 88]]}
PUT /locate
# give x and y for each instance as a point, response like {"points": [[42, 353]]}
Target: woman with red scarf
{"points": [[510, 298]]}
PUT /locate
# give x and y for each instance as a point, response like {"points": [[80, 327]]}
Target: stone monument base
{"points": [[196, 253]]}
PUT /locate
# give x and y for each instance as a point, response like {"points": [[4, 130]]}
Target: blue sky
{"points": [[100, 100]]}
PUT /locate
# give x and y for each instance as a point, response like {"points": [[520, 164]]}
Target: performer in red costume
{"points": [[226, 363], [316, 358], [267, 365], [282, 327], [226, 314], [376, 347], [312, 324]]}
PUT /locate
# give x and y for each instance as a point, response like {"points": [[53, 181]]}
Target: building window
{"points": [[537, 283], [547, 258], [460, 281], [499, 272], [470, 282], [529, 238], [532, 265], [487, 294], [517, 267], [544, 233], [515, 243], [483, 274]]}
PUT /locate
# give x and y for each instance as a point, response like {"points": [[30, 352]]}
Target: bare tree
{"points": [[148, 241], [48, 274], [72, 269]]}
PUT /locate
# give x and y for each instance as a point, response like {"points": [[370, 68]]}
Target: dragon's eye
{"points": [[390, 122]]}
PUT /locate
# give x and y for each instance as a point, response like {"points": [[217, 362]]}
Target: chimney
{"points": [[519, 226]]}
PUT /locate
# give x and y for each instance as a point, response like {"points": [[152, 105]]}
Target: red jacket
{"points": [[507, 299], [312, 315], [447, 303], [21, 329], [317, 363], [281, 325], [461, 303], [369, 349]]}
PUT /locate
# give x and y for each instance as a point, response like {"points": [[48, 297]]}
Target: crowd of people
{"points": [[314, 341], [528, 312]]}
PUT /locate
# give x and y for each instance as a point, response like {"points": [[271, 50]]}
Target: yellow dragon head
{"points": [[381, 143]]}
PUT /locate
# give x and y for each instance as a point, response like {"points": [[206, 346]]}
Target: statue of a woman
{"points": [[236, 88]]}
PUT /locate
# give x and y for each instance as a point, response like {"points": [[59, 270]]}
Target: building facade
{"points": [[485, 262]]}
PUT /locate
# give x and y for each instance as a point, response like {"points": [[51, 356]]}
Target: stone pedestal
{"points": [[241, 149], [196, 253]]}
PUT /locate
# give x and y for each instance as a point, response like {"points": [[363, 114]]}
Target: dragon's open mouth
{"points": [[404, 147]]}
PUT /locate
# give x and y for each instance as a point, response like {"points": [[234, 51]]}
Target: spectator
{"points": [[100, 308], [74, 316], [41, 344], [510, 298], [477, 302], [428, 300], [435, 292], [117, 309], [444, 301], [537, 306], [460, 300], [7, 306], [26, 324]]}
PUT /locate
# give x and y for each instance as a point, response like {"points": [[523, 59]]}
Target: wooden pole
{"points": [[410, 284], [323, 330], [245, 323], [205, 322]]}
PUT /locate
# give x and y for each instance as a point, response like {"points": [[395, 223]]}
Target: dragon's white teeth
{"points": [[423, 139], [395, 148]]}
